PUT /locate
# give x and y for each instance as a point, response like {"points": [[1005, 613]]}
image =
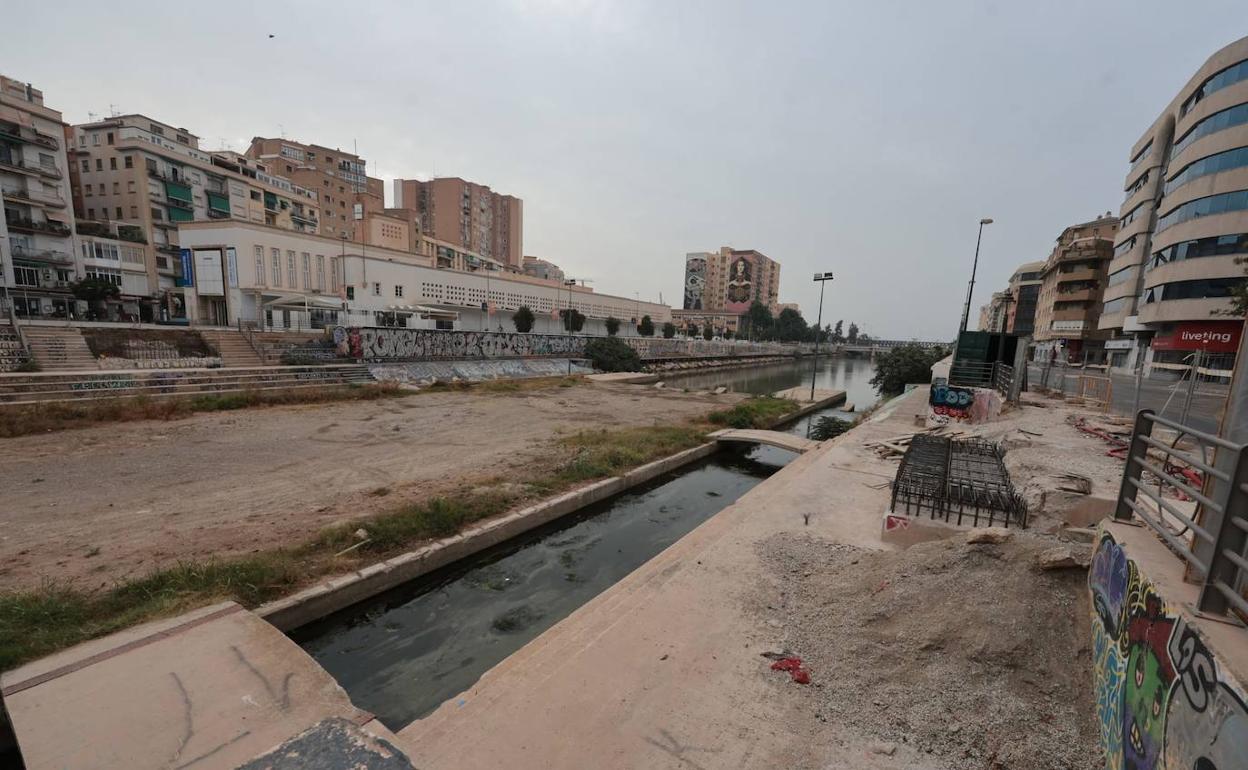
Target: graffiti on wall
{"points": [[695, 282], [947, 404], [1161, 701]]}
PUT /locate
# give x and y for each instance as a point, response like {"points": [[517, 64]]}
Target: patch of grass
{"points": [[65, 415], [602, 453], [757, 412]]}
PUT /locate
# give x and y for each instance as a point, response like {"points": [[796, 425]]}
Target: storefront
{"points": [[1174, 345]]}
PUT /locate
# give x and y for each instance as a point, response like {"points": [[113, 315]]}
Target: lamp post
{"points": [[966, 310], [821, 279], [569, 282]]}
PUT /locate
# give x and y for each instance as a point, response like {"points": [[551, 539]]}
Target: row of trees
{"points": [[574, 320], [790, 326]]}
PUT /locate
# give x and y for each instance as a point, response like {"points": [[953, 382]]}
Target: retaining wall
{"points": [[476, 371], [1169, 685]]}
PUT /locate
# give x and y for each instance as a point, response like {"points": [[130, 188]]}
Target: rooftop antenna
{"points": [[90, 117], [112, 111]]}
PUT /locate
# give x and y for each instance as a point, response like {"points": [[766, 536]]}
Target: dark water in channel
{"points": [[403, 654]]}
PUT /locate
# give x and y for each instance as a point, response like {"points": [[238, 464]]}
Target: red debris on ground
{"points": [[795, 669], [1119, 446]]}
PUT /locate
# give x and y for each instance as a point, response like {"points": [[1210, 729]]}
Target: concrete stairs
{"points": [[18, 389], [273, 344], [12, 353], [232, 346], [59, 349]]}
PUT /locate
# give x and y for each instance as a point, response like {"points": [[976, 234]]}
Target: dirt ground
{"points": [[117, 501]]}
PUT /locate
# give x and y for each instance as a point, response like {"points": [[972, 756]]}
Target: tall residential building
{"points": [[468, 216], [731, 280], [1072, 283], [136, 179], [1184, 223], [37, 255], [339, 177], [542, 268], [994, 317], [1024, 293]]}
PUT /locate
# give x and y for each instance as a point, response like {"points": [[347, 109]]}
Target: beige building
{"points": [[719, 322], [340, 179], [38, 259], [1184, 222], [730, 280], [137, 179], [1024, 291], [1072, 282], [994, 316], [468, 216], [542, 268]]}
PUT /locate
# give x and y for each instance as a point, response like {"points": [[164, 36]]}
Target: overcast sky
{"points": [[865, 138]]}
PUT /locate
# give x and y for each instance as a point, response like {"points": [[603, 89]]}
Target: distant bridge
{"points": [[769, 437]]}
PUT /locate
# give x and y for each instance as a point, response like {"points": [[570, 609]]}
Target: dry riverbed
{"points": [[97, 505]]}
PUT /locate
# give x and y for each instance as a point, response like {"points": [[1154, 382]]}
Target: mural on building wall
{"points": [[740, 284], [695, 282], [1160, 699], [948, 404]]}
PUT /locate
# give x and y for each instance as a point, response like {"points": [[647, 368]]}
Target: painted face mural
{"points": [[1145, 692], [740, 283]]}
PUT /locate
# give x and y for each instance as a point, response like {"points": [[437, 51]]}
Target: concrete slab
{"points": [[664, 668], [823, 396], [627, 378], [769, 437], [214, 688]]}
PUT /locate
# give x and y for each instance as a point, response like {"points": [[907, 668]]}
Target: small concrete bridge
{"points": [[769, 437]]}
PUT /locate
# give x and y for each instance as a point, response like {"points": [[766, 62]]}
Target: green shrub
{"points": [[829, 427], [610, 354], [757, 412]]}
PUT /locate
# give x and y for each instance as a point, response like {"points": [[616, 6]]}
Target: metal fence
{"points": [[1218, 525], [980, 374]]}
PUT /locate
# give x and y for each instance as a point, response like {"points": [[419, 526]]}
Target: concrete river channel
{"points": [[402, 654]]}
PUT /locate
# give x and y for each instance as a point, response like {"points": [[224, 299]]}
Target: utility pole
{"points": [[569, 282], [821, 279]]}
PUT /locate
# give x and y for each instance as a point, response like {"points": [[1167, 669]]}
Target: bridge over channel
{"points": [[769, 437]]}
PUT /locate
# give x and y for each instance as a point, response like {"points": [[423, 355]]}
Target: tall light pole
{"points": [[966, 310], [821, 279], [569, 282]]}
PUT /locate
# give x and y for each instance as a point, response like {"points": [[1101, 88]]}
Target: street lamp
{"points": [[569, 282], [966, 310], [821, 279]]}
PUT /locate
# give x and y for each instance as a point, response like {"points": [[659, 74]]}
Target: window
{"points": [[255, 195], [130, 186], [119, 214], [157, 130], [25, 276], [277, 266], [82, 140], [86, 190], [1204, 207], [104, 274], [307, 270], [86, 165], [116, 188], [1211, 164], [290, 269], [350, 292], [129, 161], [134, 212], [1211, 288], [95, 139], [376, 289], [1114, 305], [1124, 247], [1132, 215], [157, 214], [333, 274], [90, 212], [259, 265], [1215, 246], [100, 188], [1121, 276], [1218, 121], [398, 291], [112, 164], [320, 272], [99, 164], [1215, 82]]}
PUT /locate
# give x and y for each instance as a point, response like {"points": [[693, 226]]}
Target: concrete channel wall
{"points": [[1169, 685]]}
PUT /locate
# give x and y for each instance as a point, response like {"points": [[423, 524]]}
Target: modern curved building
{"points": [[1183, 225]]}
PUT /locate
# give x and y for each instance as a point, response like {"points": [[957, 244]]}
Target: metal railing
{"points": [[979, 374], [1221, 523]]}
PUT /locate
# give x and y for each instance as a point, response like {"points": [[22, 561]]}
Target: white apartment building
{"points": [[37, 254], [257, 274]]}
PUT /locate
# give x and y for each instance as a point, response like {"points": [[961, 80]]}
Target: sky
{"points": [[862, 138]]}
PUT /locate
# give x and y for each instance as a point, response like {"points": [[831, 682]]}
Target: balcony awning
{"points": [[425, 310], [303, 302]]}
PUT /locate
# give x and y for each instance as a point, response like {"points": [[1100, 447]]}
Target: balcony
{"points": [[178, 203], [1077, 295], [32, 199], [22, 224], [28, 135], [42, 255], [131, 233]]}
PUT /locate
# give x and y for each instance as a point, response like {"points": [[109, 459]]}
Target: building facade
{"points": [[994, 316], [468, 216], [38, 258], [1184, 224], [1024, 293], [541, 268], [276, 278], [730, 280], [340, 178], [1072, 283], [686, 320]]}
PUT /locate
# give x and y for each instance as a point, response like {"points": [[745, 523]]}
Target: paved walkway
{"points": [[663, 670]]}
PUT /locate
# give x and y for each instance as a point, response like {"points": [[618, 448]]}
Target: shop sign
{"points": [[1211, 336], [1119, 344]]}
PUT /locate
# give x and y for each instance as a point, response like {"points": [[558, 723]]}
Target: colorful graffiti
{"points": [[1160, 699], [695, 282]]}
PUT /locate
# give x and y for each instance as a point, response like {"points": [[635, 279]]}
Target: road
{"points": [[1165, 397]]}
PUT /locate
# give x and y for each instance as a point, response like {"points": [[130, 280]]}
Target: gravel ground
{"points": [[967, 654]]}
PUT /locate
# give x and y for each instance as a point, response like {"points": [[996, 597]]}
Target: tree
{"points": [[523, 319], [838, 333], [727, 334], [852, 337], [758, 319], [646, 327], [95, 291], [613, 325], [790, 326], [708, 333], [902, 366], [573, 319], [612, 354], [829, 427], [669, 329], [691, 330]]}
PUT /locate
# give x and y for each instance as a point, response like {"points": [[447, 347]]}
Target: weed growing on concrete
{"points": [[757, 412]]}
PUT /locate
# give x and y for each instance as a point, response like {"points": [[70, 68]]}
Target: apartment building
{"points": [[1024, 291], [253, 273], [994, 316], [719, 322], [541, 268], [38, 262], [339, 177], [467, 216], [138, 179], [1184, 224], [731, 280], [1072, 283]]}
